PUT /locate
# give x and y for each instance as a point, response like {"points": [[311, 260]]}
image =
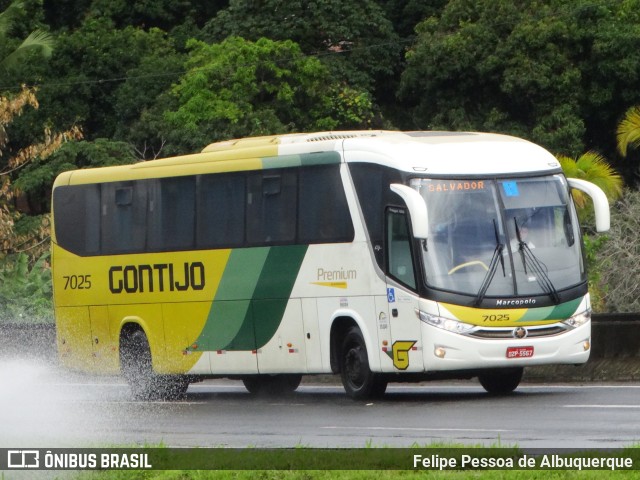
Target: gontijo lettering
{"points": [[159, 277]]}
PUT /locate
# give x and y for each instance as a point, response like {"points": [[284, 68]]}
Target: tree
{"points": [[102, 78], [146, 14], [240, 88], [551, 71], [406, 14], [354, 37], [617, 262], [594, 168], [39, 41], [15, 158], [12, 240], [628, 132]]}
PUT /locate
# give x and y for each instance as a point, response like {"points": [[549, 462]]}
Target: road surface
{"points": [[42, 407]]}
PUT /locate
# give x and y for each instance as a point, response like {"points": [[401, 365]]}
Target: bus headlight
{"points": [[578, 319], [445, 323]]}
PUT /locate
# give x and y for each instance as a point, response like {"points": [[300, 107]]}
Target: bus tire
{"points": [[170, 387], [272, 385], [501, 382], [357, 378], [137, 369]]}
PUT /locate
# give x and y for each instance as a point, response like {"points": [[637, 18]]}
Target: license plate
{"points": [[519, 352]]}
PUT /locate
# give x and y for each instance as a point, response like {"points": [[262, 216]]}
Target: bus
{"points": [[381, 256]]}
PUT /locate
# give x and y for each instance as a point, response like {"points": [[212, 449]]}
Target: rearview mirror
{"points": [[417, 209]]}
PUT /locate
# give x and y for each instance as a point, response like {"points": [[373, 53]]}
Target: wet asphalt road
{"points": [[42, 407]]}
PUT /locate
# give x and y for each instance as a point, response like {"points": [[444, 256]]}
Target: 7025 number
{"points": [[496, 318], [77, 282]]}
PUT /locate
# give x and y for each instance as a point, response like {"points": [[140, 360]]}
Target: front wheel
{"points": [[357, 378], [501, 382]]}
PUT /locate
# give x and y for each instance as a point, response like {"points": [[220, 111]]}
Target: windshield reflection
{"points": [[505, 237]]}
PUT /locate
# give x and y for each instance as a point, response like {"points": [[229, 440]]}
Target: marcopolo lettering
{"points": [[160, 277], [515, 302]]}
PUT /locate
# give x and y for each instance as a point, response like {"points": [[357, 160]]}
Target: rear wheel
{"points": [[357, 378], [501, 382], [272, 384], [137, 369]]}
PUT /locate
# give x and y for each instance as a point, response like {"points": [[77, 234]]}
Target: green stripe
{"points": [[274, 289], [242, 273], [252, 297], [558, 312], [302, 160], [565, 310], [229, 314]]}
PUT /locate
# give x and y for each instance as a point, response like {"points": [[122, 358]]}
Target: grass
{"points": [[357, 475], [356, 456]]}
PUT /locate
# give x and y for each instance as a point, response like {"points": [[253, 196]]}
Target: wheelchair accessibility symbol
{"points": [[391, 295]]}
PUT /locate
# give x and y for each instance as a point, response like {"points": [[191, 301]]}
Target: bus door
{"points": [[405, 347]]}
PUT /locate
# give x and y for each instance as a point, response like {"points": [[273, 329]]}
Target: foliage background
{"points": [[149, 78]]}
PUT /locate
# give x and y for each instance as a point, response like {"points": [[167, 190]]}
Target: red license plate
{"points": [[519, 352]]}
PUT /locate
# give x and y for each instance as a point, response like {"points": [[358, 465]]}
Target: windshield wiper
{"points": [[537, 267], [493, 266]]}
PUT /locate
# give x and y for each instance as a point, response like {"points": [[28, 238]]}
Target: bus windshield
{"points": [[502, 237]]}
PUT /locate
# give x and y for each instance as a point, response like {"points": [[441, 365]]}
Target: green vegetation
{"points": [[357, 475], [25, 290], [116, 82]]}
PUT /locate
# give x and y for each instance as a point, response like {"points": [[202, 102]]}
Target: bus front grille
{"points": [[510, 333]]}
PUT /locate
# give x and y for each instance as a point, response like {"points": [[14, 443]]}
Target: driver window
{"points": [[399, 258]]}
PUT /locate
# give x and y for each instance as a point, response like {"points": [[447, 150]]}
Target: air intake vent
{"points": [[332, 136], [507, 333]]}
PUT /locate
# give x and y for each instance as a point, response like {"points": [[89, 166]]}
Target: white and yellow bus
{"points": [[382, 256]]}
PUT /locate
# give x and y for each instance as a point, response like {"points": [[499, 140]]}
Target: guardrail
{"points": [[615, 349]]}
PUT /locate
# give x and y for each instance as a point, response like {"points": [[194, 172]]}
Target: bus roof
{"points": [[420, 152]]}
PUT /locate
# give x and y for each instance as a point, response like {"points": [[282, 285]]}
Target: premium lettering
{"points": [[159, 277], [334, 275]]}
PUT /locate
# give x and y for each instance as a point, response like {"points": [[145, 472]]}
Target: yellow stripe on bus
{"points": [[483, 316]]}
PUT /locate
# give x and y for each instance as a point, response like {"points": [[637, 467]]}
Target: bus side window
{"points": [[221, 210], [124, 209], [323, 214], [77, 222], [171, 213], [271, 208], [399, 258]]}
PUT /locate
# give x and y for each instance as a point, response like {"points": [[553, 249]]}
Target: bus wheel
{"points": [[358, 380], [501, 382], [272, 384], [137, 369]]}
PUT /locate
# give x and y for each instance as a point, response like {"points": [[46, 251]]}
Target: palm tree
{"points": [[594, 168], [628, 132], [38, 40]]}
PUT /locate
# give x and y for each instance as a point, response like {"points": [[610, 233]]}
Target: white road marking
{"points": [[603, 406], [418, 429]]}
